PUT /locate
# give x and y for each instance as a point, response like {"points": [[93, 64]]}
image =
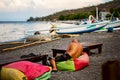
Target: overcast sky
{"points": [[21, 10]]}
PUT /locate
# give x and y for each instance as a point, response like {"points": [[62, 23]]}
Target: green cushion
{"points": [[45, 76], [66, 65]]}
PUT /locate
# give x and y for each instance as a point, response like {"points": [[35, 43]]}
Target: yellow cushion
{"points": [[12, 74]]}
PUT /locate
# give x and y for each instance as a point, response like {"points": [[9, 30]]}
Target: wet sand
{"points": [[110, 51]]}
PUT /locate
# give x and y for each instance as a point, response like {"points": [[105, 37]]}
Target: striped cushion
{"points": [[74, 65]]}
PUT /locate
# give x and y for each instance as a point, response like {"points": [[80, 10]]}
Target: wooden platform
{"points": [[87, 46]]}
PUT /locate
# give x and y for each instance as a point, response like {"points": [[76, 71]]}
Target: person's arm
{"points": [[68, 48]]}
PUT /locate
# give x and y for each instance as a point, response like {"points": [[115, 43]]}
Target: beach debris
{"points": [[68, 35], [37, 33]]}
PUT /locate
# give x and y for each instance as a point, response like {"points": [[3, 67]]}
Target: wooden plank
{"points": [[37, 58], [87, 46]]}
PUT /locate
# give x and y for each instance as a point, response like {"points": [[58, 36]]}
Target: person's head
{"points": [[75, 40]]}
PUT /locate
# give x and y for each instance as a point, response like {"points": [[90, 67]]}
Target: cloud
{"points": [[70, 3], [15, 5], [41, 7]]}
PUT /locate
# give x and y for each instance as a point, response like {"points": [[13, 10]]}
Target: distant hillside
{"points": [[106, 6]]}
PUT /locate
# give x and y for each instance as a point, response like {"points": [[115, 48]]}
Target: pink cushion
{"points": [[31, 70], [82, 61]]}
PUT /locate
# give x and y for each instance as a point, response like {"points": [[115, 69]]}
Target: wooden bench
{"points": [[42, 58], [87, 46]]}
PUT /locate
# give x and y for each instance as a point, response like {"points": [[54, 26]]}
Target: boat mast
{"points": [[97, 13]]}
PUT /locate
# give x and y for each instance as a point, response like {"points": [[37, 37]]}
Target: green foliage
{"points": [[31, 19], [108, 15], [37, 19], [93, 12], [75, 16], [115, 12], [61, 17]]}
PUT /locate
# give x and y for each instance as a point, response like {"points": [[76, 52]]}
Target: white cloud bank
{"points": [[13, 5], [42, 7]]}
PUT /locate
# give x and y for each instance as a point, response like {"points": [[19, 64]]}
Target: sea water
{"points": [[18, 30]]}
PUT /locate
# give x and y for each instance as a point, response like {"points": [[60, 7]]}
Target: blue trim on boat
{"points": [[82, 31]]}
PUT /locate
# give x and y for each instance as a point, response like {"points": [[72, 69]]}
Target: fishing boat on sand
{"points": [[80, 30], [113, 24]]}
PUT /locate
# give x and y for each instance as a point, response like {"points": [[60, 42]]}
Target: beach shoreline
{"points": [[110, 52]]}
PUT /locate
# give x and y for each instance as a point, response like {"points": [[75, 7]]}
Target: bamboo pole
{"points": [[28, 44]]}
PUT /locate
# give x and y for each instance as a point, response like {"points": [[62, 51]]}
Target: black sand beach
{"points": [[110, 52]]}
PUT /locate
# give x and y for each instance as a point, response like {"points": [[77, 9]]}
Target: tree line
{"points": [[78, 16], [74, 16], [115, 12]]}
